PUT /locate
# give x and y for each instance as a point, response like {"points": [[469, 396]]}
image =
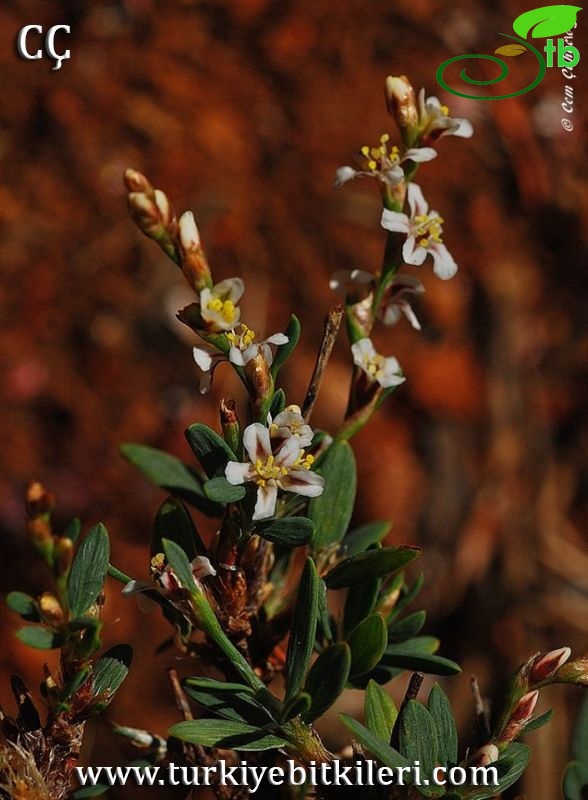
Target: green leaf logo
{"points": [[511, 50], [546, 21]]}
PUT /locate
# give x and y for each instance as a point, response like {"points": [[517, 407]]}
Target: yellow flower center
{"points": [[226, 308], [268, 472], [445, 111], [428, 229], [380, 156], [243, 339], [374, 365]]}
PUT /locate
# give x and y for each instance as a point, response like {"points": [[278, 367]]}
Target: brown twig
{"points": [[481, 710], [332, 325], [181, 701], [414, 685]]}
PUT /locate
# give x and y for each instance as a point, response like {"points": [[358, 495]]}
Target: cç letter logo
{"points": [[539, 23]]}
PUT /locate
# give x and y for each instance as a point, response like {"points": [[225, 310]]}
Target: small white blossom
{"points": [[244, 347], [423, 231], [383, 163], [218, 306], [396, 303], [287, 469], [386, 371], [290, 422], [435, 122], [166, 581], [207, 358], [354, 282]]}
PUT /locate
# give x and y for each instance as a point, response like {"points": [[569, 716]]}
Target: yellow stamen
{"points": [[244, 339], [226, 308], [374, 365], [428, 229], [445, 111]]}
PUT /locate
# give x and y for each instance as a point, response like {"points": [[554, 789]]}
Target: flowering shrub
{"points": [[282, 496]]}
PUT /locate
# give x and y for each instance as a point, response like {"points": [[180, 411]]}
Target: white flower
{"points": [[290, 422], [386, 371], [166, 581], [435, 122], [288, 469], [218, 306], [384, 164], [207, 358], [423, 233], [352, 282], [396, 303], [244, 347]]}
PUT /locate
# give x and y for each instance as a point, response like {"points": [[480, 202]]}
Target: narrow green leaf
{"points": [[173, 521], [440, 711], [278, 403], [284, 350], [369, 566], [163, 469], [228, 700], [221, 491], [418, 645], [289, 531], [406, 597], [327, 679], [360, 602], [510, 767], [580, 738], [178, 561], [88, 570], [407, 628], [361, 538], [25, 605], [538, 722], [418, 737], [211, 450], [297, 706], [380, 711], [73, 529], [76, 682], [367, 643], [110, 671], [575, 781], [423, 662], [331, 511], [39, 638], [226, 734], [382, 751], [303, 630], [324, 617]]}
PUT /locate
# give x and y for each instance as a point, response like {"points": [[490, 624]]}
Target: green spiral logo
{"points": [[492, 81]]}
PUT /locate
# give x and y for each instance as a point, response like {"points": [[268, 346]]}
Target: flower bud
{"points": [[486, 755], [259, 378], [525, 707], [50, 608], [63, 554], [402, 105], [547, 664], [39, 500], [230, 424], [166, 212], [188, 231], [136, 182], [573, 672]]}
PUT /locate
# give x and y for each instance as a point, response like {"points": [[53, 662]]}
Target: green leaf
{"points": [[166, 471], [407, 628], [73, 529], [327, 678], [331, 511], [407, 595], [546, 21], [510, 767], [575, 781], [212, 451], [25, 605], [360, 602], [226, 734], [174, 522], [221, 491], [39, 638], [232, 701], [284, 350], [382, 751], [380, 711], [110, 671], [418, 737], [580, 738], [178, 561], [76, 682], [303, 630], [418, 645], [289, 531], [88, 570], [361, 538], [394, 656], [367, 643], [278, 403], [440, 711], [297, 706], [538, 722], [370, 565], [324, 617]]}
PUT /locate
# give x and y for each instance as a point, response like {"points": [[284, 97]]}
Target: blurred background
{"points": [[241, 111]]}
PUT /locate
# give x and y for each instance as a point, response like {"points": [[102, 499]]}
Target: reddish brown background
{"points": [[242, 111]]}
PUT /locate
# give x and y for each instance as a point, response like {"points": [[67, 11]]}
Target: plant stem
{"points": [[332, 325]]}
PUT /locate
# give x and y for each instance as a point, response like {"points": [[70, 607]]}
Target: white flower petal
{"points": [[256, 441], [391, 314], [361, 350], [201, 567], [444, 266], [238, 473], [229, 289], [236, 357], [408, 312], [135, 587], [464, 128], [407, 282], [420, 154], [277, 338], [413, 254], [343, 175], [393, 176], [416, 200], [203, 356], [395, 221], [265, 506], [304, 482], [266, 352], [288, 452]]}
